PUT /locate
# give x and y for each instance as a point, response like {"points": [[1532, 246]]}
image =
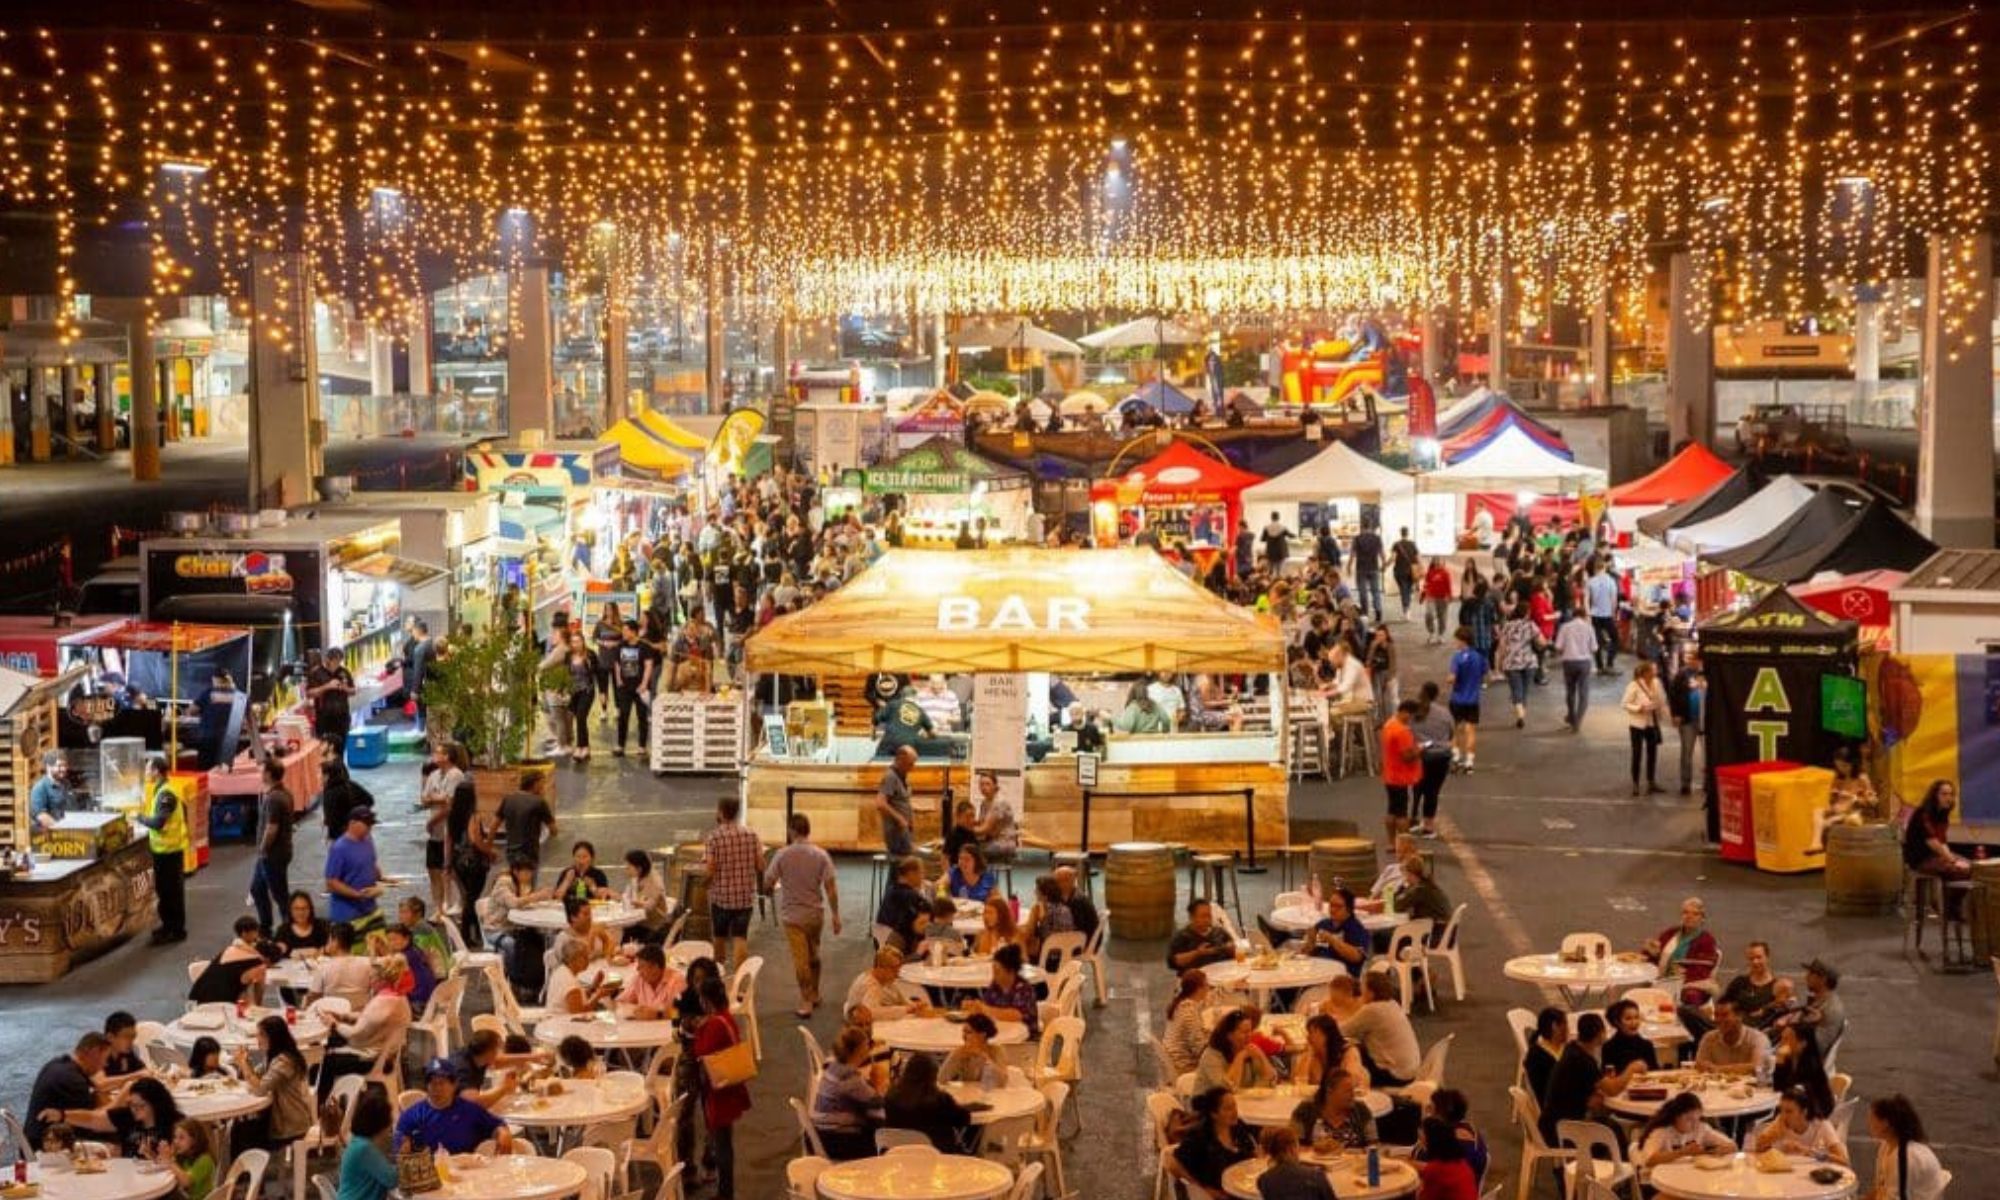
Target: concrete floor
{"points": [[1543, 840]]}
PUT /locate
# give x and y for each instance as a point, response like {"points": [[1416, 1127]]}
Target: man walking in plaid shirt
{"points": [[735, 861]]}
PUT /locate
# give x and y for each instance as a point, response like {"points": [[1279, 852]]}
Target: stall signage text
{"points": [[260, 572], [1767, 695], [965, 614]]}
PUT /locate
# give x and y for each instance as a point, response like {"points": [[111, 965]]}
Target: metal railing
{"points": [[452, 415]]}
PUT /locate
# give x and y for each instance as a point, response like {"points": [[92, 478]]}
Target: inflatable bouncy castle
{"points": [[1326, 372]]}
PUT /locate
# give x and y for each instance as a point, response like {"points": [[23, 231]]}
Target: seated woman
{"points": [[997, 927], [1450, 1106], [303, 929], [1141, 715], [1327, 1050], [1218, 1141], [1232, 1060], [1626, 1045], [1209, 707], [1340, 935], [1677, 1132], [847, 1110], [1009, 998], [1853, 800], [915, 1101], [1050, 915], [645, 892], [1185, 1039], [583, 878], [238, 972], [969, 879], [1796, 1063], [1800, 1129], [1334, 1118]]}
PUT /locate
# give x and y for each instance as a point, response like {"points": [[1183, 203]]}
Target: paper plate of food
{"points": [[1713, 1162]]}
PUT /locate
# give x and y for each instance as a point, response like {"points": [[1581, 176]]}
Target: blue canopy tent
{"points": [[1160, 396]]}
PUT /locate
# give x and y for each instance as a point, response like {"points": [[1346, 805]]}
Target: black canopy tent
{"points": [[1815, 522], [1873, 539], [1730, 492]]}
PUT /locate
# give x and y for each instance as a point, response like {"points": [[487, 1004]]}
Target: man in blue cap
{"points": [[445, 1120]]}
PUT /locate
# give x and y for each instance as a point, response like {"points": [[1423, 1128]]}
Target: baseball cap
{"points": [[1825, 970], [364, 814], [439, 1068]]}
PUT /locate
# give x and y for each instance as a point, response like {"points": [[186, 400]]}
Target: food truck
{"points": [[457, 533]]}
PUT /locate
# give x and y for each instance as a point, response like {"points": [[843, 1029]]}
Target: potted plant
{"points": [[491, 685]]}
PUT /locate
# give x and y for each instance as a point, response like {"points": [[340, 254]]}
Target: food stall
{"points": [[458, 533], [300, 583], [1178, 495], [1017, 614], [544, 490], [940, 415], [830, 438], [944, 485], [1334, 485]]}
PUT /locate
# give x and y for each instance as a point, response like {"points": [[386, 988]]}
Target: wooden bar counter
{"points": [[1190, 789], [69, 910]]}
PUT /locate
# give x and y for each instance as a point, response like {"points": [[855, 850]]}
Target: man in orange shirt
{"points": [[1402, 765]]}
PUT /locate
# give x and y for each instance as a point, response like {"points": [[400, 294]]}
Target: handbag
{"points": [[416, 1172], [731, 1066]]}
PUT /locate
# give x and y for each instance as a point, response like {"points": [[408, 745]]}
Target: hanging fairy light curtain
{"points": [[1210, 166]]}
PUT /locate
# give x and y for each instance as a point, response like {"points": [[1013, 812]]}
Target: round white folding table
{"points": [[1298, 918], [121, 1179], [1720, 1101], [232, 1031], [217, 1100], [509, 1177], [582, 1102], [915, 1177], [605, 1031], [1741, 1180], [1580, 984], [1287, 973], [1274, 1105], [971, 919], [293, 974], [1004, 1103], [548, 915], [1347, 1173], [936, 1035], [958, 974]]}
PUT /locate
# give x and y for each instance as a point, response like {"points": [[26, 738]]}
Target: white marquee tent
{"points": [[1745, 523], [1514, 462], [1335, 472]]}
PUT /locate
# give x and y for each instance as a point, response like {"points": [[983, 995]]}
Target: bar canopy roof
{"points": [[1017, 609]]}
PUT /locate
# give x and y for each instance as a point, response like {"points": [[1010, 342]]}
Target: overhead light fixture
{"points": [[184, 166]]}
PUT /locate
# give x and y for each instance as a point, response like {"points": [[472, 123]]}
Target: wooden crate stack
{"points": [[698, 733]]}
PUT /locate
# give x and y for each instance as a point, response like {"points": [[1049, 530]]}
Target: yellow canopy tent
{"points": [[1019, 609], [666, 429], [644, 449]]}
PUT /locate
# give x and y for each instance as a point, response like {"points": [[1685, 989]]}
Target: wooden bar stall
{"points": [[1039, 614], [70, 892]]}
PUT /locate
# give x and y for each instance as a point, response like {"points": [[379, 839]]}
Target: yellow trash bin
{"points": [[1787, 806]]}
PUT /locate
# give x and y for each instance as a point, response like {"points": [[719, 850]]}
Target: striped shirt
{"points": [[731, 852]]}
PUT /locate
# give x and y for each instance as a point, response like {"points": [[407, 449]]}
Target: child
{"points": [[190, 1160], [1784, 1000], [59, 1137], [205, 1059], [578, 1060], [939, 929], [426, 936]]}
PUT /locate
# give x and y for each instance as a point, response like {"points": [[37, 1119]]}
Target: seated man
{"points": [[1579, 1085], [875, 990], [446, 1121], [1732, 1047], [1201, 941], [1422, 899], [1376, 1023], [905, 910]]}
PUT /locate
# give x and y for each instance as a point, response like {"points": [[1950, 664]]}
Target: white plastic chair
{"points": [[658, 1147], [1161, 1060], [1598, 1156], [1446, 950], [1160, 1109], [1093, 953], [490, 1021], [464, 959], [1840, 1083], [247, 1168], [670, 1184], [195, 969], [600, 1167], [342, 1094], [1059, 950], [806, 1131], [894, 1139], [801, 1176], [1534, 1151], [17, 1137], [815, 1059], [1595, 946], [680, 954], [1430, 1073], [1291, 900], [1043, 1145], [1842, 1118], [743, 1000], [1521, 1023], [408, 1099], [1025, 1183], [917, 1149], [1406, 955]]}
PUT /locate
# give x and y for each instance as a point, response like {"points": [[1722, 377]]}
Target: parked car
{"points": [[1785, 427]]}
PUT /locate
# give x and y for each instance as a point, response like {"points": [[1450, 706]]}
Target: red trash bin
{"points": [[1732, 798]]}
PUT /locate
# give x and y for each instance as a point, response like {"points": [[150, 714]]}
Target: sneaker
{"points": [[1635, 789], [1654, 789], [1520, 722], [618, 752], [1424, 831]]}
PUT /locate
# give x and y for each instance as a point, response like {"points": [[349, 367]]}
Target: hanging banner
{"points": [[1934, 717], [999, 736]]}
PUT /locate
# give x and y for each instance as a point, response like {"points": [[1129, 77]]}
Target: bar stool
{"points": [[1290, 860], [1928, 894], [1079, 861], [1355, 727], [1309, 746], [878, 870], [1207, 874]]}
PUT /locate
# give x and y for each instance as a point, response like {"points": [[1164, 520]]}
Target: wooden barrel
{"points": [[1983, 910], [1350, 860], [688, 882], [1139, 889], [931, 854], [1864, 869]]}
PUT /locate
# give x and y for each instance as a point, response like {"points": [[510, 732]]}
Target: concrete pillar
{"points": [[714, 339], [107, 401], [419, 351], [38, 414], [144, 429], [285, 427], [531, 364], [1496, 331], [1690, 359], [1867, 335], [1431, 331], [1598, 364], [169, 401], [381, 361], [940, 350], [1955, 400], [617, 374], [781, 353], [69, 377]]}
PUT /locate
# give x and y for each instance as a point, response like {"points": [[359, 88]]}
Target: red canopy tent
{"points": [[1177, 493], [1862, 598], [1687, 474]]}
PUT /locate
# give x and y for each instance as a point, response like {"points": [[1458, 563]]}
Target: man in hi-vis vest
{"points": [[165, 819]]}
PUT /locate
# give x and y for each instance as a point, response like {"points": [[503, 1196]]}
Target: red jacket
{"points": [[1437, 584], [721, 1107]]}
